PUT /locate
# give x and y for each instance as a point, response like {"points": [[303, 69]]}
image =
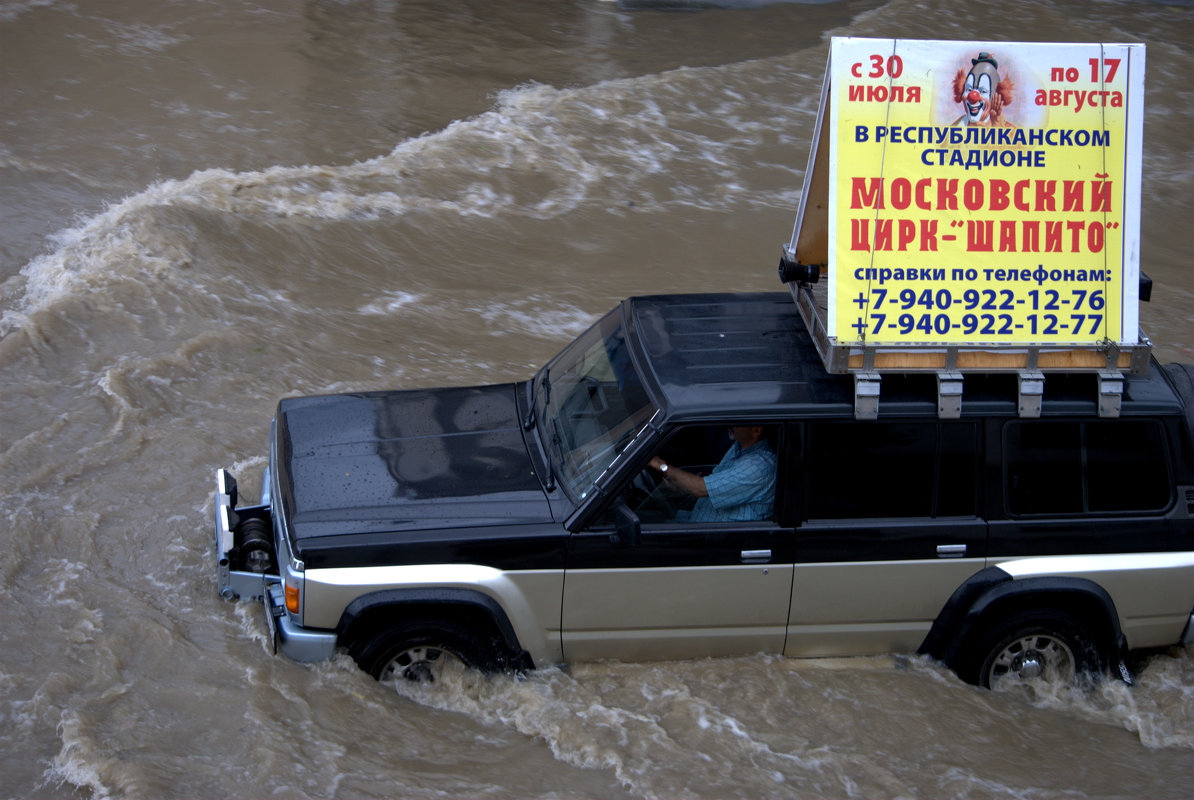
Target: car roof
{"points": [[717, 356]]}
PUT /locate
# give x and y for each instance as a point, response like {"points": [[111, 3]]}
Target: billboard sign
{"points": [[977, 193]]}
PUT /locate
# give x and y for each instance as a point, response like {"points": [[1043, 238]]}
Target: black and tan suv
{"points": [[558, 519]]}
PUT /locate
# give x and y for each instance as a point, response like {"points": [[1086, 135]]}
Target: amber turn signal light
{"points": [[292, 599]]}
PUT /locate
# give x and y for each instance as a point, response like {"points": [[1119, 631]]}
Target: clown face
{"points": [[980, 86]]}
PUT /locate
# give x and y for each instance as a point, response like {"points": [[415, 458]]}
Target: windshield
{"points": [[590, 403]]}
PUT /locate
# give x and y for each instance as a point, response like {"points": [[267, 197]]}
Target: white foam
{"points": [[75, 762], [389, 302]]}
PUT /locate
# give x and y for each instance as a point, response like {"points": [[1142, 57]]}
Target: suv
{"points": [[558, 519]]}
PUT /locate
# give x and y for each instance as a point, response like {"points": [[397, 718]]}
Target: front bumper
{"points": [[296, 642]]}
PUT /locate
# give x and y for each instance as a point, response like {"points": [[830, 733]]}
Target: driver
{"points": [[741, 487]]}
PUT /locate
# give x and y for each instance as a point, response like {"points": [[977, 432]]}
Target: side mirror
{"points": [[626, 525]]}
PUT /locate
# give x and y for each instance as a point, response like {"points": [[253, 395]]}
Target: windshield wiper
{"points": [[529, 422], [551, 473]]}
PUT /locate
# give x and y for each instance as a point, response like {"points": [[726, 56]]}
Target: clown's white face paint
{"points": [[976, 98]]}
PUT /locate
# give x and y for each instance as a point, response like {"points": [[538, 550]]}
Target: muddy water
{"points": [[204, 207]]}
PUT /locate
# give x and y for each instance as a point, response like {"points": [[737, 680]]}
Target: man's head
{"points": [[746, 435]]}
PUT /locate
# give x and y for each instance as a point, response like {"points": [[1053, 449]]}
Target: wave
{"points": [[639, 146]]}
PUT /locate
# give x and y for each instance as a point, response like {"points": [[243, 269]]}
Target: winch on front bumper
{"points": [[245, 559], [247, 567]]}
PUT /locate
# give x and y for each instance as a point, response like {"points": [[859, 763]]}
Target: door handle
{"points": [[756, 556], [951, 550]]}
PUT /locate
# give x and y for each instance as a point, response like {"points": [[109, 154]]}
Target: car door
{"points": [[889, 530], [644, 583], [1095, 499]]}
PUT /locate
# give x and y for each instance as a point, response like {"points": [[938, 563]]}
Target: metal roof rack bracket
{"points": [[949, 395], [866, 395], [1111, 392], [1032, 391]]}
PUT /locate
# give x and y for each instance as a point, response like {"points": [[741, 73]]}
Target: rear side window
{"points": [[861, 470], [1083, 467]]}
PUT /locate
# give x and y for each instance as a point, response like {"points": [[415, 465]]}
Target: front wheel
{"points": [[421, 653], [1050, 646]]}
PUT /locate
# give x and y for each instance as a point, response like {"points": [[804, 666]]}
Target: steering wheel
{"points": [[645, 483], [649, 496]]}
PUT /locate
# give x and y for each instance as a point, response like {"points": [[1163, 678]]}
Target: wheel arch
{"points": [[371, 613], [992, 594]]}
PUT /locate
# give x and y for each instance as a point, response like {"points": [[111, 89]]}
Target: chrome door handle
{"points": [[756, 556], [951, 550]]}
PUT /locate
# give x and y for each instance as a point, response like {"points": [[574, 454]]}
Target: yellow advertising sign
{"points": [[981, 193]]}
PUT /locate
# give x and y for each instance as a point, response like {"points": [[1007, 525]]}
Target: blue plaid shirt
{"points": [[741, 488]]}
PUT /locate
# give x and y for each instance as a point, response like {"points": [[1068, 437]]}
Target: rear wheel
{"points": [[421, 652], [1049, 646]]}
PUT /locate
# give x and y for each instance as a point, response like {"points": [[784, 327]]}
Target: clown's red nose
{"points": [[974, 96]]}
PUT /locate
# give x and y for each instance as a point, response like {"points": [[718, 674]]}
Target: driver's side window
{"points": [[714, 473]]}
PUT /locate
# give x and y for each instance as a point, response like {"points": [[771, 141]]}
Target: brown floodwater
{"points": [[208, 206]]}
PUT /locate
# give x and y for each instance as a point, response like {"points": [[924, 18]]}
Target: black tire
{"points": [[1046, 644], [420, 651]]}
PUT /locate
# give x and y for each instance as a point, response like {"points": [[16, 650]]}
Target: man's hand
{"points": [[685, 481]]}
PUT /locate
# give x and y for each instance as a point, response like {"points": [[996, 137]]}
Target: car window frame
{"points": [[1002, 465], [602, 520], [805, 468]]}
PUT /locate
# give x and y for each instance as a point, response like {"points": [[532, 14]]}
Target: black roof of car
{"points": [[750, 355]]}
